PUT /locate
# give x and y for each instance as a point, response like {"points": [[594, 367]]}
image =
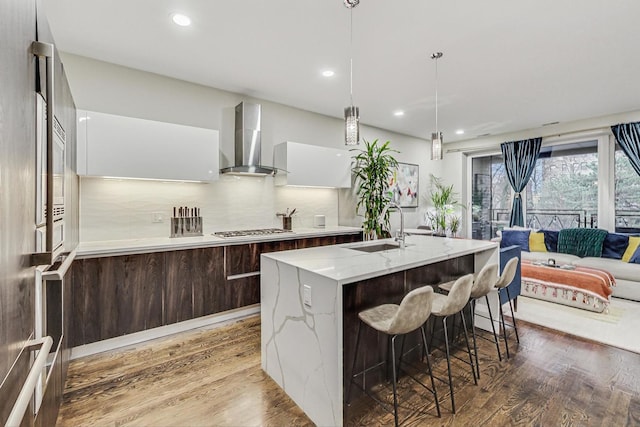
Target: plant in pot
{"points": [[372, 167], [443, 217]]}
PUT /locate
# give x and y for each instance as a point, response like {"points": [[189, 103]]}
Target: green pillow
{"points": [[583, 242]]}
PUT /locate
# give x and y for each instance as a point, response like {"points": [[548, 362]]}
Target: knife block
{"points": [[186, 226]]}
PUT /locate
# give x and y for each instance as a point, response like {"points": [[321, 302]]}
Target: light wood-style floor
{"points": [[213, 378]]}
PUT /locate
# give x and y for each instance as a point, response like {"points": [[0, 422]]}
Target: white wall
{"points": [[123, 209]]}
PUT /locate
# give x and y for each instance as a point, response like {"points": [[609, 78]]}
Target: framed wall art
{"points": [[403, 185]]}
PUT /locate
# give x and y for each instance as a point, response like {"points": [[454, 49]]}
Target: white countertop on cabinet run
{"points": [[159, 244], [345, 265]]}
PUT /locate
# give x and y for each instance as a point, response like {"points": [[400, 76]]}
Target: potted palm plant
{"points": [[372, 167], [443, 217]]}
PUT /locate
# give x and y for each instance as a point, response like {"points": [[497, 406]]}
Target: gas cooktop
{"points": [[256, 232]]}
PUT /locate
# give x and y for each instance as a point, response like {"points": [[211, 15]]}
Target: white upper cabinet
{"points": [[118, 146], [312, 165]]}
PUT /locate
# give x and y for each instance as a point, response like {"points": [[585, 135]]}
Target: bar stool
{"points": [[394, 320], [483, 283], [508, 274], [450, 305]]}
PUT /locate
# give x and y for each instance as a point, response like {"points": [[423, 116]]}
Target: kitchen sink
{"points": [[375, 248]]}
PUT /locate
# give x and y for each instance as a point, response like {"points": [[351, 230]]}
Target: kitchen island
{"points": [[310, 299]]}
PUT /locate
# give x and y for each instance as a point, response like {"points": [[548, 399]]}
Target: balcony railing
{"points": [[557, 219], [549, 219]]}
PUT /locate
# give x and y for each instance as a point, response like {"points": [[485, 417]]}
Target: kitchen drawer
{"points": [[240, 260]]}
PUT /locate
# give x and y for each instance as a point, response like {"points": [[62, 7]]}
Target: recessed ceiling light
{"points": [[328, 73], [398, 113], [460, 132], [180, 19]]}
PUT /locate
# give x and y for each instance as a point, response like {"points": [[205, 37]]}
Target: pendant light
{"points": [[351, 113], [436, 138]]}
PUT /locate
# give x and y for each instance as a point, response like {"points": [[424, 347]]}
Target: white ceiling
{"points": [[507, 65]]}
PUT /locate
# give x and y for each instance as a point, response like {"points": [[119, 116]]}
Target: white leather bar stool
{"points": [[483, 283], [449, 305], [396, 320]]}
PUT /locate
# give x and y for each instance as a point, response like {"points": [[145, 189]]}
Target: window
{"points": [[563, 189], [627, 214], [582, 182]]}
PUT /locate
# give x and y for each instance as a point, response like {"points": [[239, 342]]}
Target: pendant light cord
{"points": [[436, 56], [351, 55], [437, 98]]}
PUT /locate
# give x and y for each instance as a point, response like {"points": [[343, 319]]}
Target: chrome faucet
{"points": [[399, 238]]}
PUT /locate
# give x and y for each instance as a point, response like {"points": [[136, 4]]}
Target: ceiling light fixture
{"points": [[399, 113], [436, 138], [180, 19], [328, 73], [351, 113], [459, 132]]}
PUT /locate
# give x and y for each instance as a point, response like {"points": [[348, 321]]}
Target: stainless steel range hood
{"points": [[247, 142]]}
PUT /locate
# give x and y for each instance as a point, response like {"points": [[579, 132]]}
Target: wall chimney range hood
{"points": [[248, 143]]}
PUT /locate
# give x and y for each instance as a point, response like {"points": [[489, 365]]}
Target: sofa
{"points": [[617, 253]]}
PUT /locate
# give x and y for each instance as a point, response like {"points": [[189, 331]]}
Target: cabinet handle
{"points": [[47, 51], [243, 275], [24, 398]]}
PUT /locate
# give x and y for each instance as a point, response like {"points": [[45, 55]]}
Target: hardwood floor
{"points": [[213, 378]]}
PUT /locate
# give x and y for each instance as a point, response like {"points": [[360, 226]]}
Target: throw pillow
{"points": [[536, 242], [515, 237], [551, 240], [635, 258], [582, 242], [634, 242], [615, 245]]}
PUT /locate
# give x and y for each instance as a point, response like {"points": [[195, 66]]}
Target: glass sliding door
{"points": [[490, 197]]}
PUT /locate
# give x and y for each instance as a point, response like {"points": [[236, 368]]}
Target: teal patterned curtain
{"points": [[519, 160], [628, 136]]}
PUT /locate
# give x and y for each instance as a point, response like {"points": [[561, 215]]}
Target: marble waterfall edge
{"points": [[301, 343]]}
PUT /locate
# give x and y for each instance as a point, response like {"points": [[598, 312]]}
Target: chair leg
{"points": [[472, 310], [353, 366], [433, 331], [386, 362], [504, 328], [493, 327], [446, 344], [515, 327], [466, 340], [433, 383], [392, 342]]}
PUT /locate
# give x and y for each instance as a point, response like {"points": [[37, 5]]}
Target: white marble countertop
{"points": [[346, 265], [159, 244]]}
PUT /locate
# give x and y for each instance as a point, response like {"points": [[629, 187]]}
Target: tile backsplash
{"points": [[113, 209]]}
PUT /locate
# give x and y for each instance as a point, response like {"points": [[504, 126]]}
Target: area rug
{"points": [[618, 327]]}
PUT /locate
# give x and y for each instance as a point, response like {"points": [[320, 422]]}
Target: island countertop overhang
{"points": [[345, 265]]}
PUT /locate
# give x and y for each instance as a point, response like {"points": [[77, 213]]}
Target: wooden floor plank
{"points": [[213, 378]]}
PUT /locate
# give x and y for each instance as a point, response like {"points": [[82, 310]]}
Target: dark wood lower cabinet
{"points": [[119, 295], [114, 296], [192, 283]]}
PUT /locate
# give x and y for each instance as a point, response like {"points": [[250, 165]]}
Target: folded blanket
{"points": [[592, 280], [582, 242]]}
